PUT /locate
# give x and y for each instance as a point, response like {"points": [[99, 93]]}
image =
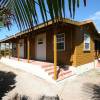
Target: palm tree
{"points": [[25, 13], [5, 17]]}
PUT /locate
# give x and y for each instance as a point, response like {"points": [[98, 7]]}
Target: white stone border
{"points": [[84, 68]]}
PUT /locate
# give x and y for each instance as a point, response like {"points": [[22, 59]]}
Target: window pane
{"points": [[86, 38], [60, 35], [60, 46], [86, 46], [60, 41], [86, 41]]}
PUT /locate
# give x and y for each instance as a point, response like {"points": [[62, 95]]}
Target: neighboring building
{"points": [[75, 42]]}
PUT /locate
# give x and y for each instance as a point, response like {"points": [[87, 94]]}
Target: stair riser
{"points": [[59, 79], [50, 69], [46, 66], [64, 75], [61, 73]]}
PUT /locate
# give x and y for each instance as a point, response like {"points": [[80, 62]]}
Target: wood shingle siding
{"points": [[83, 57]]}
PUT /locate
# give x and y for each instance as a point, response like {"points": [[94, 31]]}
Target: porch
{"points": [[43, 70]]}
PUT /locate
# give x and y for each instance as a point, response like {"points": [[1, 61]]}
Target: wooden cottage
{"points": [[75, 42]]}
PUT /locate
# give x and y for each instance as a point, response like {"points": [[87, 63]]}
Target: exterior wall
{"points": [[49, 46], [32, 47], [25, 47], [83, 57], [74, 44], [63, 57], [21, 51], [14, 50]]}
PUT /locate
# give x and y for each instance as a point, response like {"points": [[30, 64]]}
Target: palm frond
{"points": [[78, 3], [60, 8], [42, 10], [70, 7], [24, 12], [50, 8], [84, 2], [74, 6], [63, 7], [55, 8]]}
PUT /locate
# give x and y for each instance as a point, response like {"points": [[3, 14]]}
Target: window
{"points": [[86, 42], [60, 41]]}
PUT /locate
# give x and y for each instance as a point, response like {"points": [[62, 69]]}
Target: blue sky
{"points": [[91, 11]]}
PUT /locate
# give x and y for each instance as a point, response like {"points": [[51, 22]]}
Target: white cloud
{"points": [[96, 19], [95, 16]]}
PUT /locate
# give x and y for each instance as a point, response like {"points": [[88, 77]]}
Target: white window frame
{"points": [[61, 42], [86, 41]]}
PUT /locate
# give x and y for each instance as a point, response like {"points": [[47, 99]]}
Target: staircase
{"points": [[49, 68], [61, 72]]}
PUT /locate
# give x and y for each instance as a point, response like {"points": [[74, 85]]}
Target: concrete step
{"points": [[47, 65], [50, 71], [64, 73], [66, 76], [49, 68]]}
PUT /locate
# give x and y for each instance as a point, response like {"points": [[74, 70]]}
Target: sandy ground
{"points": [[33, 86]]}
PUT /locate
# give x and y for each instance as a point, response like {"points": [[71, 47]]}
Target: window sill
{"points": [[86, 51], [61, 50]]}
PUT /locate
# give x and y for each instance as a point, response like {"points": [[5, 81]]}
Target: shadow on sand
{"points": [[92, 91], [24, 97], [7, 81]]}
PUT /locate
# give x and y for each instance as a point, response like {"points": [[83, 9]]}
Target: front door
{"points": [[41, 47], [21, 42]]}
